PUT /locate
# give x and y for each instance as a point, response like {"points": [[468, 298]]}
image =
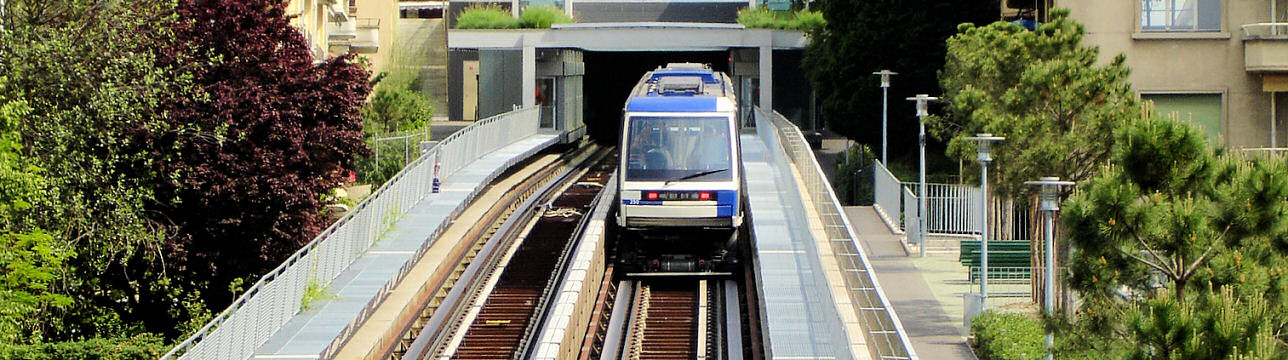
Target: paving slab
{"points": [[309, 332], [798, 311]]}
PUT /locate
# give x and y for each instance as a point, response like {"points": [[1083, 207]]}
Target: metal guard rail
{"points": [[1277, 31], [276, 297], [886, 336]]}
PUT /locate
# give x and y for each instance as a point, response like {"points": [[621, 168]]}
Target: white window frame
{"points": [[1171, 11]]}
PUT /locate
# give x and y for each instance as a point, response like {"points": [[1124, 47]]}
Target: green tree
{"points": [[1042, 90], [1181, 249], [396, 109], [30, 261], [863, 36], [87, 71]]}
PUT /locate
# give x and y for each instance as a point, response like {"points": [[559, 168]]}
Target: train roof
{"points": [[683, 87]]}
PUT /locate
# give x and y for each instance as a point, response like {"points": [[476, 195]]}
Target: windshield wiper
{"points": [[690, 176]]}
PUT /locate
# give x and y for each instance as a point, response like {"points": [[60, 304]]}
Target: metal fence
{"points": [[910, 211], [886, 338], [255, 316], [950, 208], [887, 189]]}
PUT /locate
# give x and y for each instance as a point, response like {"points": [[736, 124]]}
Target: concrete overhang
{"points": [[629, 37], [1265, 48]]}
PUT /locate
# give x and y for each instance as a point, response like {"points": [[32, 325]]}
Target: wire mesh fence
{"points": [[276, 297]]}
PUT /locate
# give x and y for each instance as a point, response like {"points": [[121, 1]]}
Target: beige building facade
{"points": [[334, 27], [1220, 64]]}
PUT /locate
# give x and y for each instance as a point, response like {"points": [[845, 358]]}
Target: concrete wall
{"points": [[311, 18], [500, 79], [386, 13], [1200, 62]]}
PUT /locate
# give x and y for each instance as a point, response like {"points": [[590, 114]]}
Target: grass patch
{"points": [[313, 292], [496, 17], [1006, 336], [763, 18]]}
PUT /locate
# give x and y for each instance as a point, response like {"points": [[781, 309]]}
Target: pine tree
{"points": [[1181, 248], [1042, 90]]}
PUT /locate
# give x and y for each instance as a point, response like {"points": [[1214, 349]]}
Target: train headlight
{"points": [[652, 196], [704, 196]]}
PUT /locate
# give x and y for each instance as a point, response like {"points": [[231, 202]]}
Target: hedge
{"points": [[141, 347], [1008, 336]]}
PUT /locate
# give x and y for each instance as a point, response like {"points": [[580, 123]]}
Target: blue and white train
{"points": [[680, 180]]}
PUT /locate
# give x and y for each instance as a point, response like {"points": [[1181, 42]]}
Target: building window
{"points": [[1180, 15], [1201, 110]]}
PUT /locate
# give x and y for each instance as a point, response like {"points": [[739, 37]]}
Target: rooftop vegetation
{"points": [[496, 17], [762, 18]]}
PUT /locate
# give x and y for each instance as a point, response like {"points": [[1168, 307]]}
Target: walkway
{"points": [[928, 297], [310, 332], [798, 310], [925, 292]]}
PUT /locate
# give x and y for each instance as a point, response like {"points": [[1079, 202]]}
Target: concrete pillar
{"points": [[767, 77], [529, 76]]}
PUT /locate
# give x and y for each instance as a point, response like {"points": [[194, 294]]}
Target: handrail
{"points": [[259, 312], [887, 338], [1258, 31]]}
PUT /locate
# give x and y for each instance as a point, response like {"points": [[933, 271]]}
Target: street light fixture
{"points": [[984, 155], [1050, 203], [922, 113], [885, 93]]}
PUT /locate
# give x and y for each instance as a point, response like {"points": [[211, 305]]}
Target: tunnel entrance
{"points": [[611, 75]]}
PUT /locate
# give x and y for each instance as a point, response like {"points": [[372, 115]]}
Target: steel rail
{"points": [[445, 321]]}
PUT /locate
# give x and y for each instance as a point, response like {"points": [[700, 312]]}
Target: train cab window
{"points": [[675, 148]]}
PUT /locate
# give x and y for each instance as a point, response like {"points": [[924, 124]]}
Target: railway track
{"points": [[493, 315], [669, 321], [671, 318]]}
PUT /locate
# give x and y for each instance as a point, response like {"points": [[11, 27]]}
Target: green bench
{"points": [[1006, 259]]}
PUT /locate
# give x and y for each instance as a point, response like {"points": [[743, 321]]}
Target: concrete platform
{"points": [[310, 332], [797, 308]]}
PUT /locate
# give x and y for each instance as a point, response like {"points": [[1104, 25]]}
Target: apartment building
{"points": [[1220, 64], [333, 27]]}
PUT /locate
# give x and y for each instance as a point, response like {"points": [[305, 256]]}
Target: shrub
{"points": [[763, 18], [541, 17], [496, 17], [486, 17], [142, 347], [861, 158], [809, 20], [757, 18], [1007, 336]]}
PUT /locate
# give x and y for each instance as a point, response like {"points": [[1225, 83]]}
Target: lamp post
{"points": [[885, 93], [984, 155], [1049, 204], [922, 100]]}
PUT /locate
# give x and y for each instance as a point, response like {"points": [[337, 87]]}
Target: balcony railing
{"points": [[1265, 47], [368, 36], [1265, 31]]}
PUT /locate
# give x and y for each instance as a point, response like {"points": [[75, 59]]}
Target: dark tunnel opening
{"points": [[611, 75]]}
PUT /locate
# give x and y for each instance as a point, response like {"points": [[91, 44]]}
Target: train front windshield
{"points": [[678, 148]]}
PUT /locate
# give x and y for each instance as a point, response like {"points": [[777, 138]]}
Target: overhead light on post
{"points": [[984, 155], [1049, 203], [922, 112], [885, 93]]}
